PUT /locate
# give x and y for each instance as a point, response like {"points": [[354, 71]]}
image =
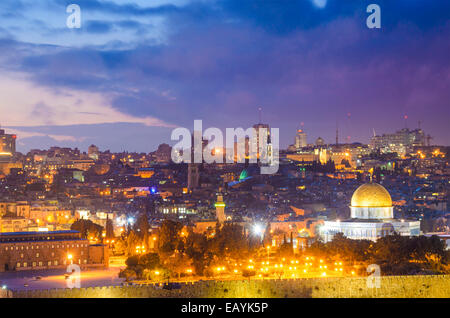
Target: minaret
{"points": [[220, 209]]}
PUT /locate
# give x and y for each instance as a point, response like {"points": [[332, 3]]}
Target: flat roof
{"points": [[39, 233]]}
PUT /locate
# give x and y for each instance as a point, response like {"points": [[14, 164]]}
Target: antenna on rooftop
{"points": [[259, 110], [337, 133]]}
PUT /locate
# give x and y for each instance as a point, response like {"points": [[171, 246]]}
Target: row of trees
{"points": [[395, 254], [179, 249]]}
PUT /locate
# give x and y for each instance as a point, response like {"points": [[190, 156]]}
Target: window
{"points": [[40, 263], [18, 265], [55, 262], [34, 264], [49, 263], [37, 254], [6, 248], [25, 264], [21, 255]]}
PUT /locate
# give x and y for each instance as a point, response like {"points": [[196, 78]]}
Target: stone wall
{"points": [[392, 286]]}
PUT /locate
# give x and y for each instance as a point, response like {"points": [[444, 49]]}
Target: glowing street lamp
{"points": [[258, 229]]}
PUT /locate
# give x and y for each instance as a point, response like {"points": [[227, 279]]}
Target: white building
{"points": [[372, 217]]}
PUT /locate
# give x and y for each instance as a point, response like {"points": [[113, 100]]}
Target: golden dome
{"points": [[371, 195]]}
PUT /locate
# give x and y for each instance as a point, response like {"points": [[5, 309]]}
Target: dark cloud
{"points": [[221, 61]]}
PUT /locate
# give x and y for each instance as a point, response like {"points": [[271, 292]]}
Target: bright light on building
{"points": [[258, 229]]}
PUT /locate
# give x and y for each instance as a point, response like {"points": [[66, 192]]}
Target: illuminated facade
{"points": [[220, 209], [45, 250], [400, 142], [300, 139], [7, 146]]}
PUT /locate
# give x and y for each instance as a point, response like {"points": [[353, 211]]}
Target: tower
{"points": [[93, 152], [220, 209], [257, 130], [300, 139]]}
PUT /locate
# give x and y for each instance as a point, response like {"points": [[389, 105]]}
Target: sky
{"points": [[135, 70]]}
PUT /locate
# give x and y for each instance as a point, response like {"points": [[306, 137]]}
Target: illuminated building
{"points": [[93, 152], [220, 209], [13, 224], [7, 152], [372, 217], [320, 142], [262, 128], [163, 153], [7, 146], [46, 250], [400, 142]]}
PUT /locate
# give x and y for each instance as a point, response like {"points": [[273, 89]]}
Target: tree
{"points": [[168, 236], [229, 241], [87, 228], [286, 249], [150, 261]]}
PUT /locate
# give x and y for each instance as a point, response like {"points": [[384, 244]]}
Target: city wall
{"points": [[393, 286]]}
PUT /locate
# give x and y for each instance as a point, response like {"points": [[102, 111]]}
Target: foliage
{"points": [[396, 254], [169, 236]]}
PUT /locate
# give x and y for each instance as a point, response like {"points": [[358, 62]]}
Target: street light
{"points": [[69, 257], [258, 229]]}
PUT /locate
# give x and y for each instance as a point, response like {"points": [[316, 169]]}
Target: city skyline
{"points": [[133, 72]]}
